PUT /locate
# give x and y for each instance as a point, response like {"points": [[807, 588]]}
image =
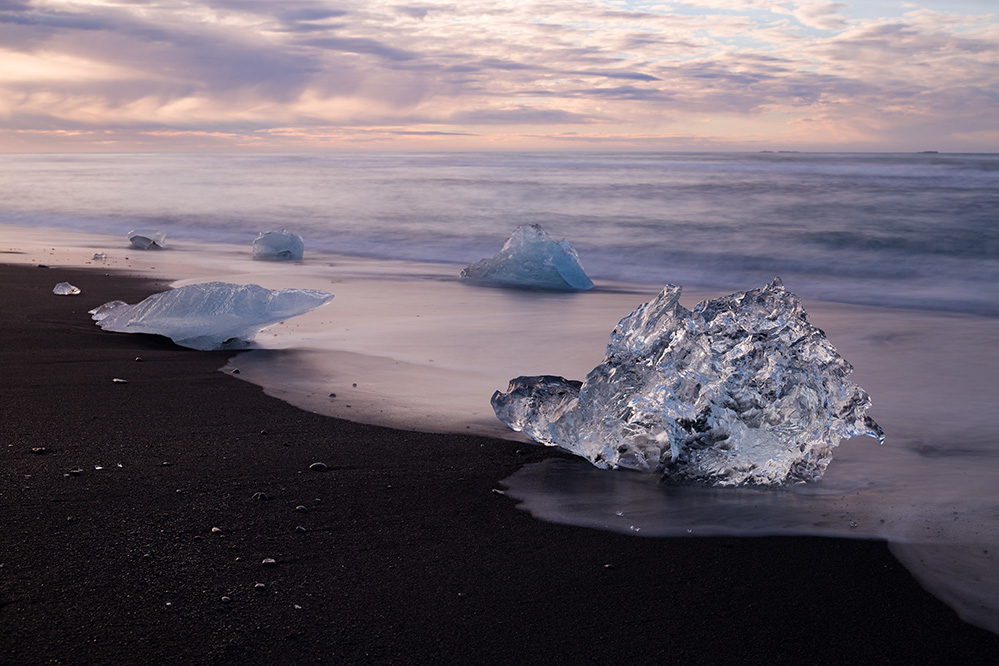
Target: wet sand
{"points": [[408, 554]]}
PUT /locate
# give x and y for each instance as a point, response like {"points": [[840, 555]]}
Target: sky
{"points": [[303, 75]]}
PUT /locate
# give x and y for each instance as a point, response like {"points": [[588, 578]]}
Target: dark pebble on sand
{"points": [[301, 509], [39, 450], [260, 587], [268, 562], [300, 528]]}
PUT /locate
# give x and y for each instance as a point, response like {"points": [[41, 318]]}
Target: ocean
{"points": [[916, 231], [895, 256]]}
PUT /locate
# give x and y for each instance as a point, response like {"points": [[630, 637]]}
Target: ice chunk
{"points": [[147, 239], [213, 315], [530, 258], [65, 289], [278, 245], [103, 311], [742, 390]]}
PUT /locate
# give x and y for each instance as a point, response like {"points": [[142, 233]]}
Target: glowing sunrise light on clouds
{"points": [[498, 74]]}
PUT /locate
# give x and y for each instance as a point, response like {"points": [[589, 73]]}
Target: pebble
{"points": [[216, 530], [318, 467], [260, 587], [332, 395], [119, 380], [235, 371], [226, 600], [300, 528], [262, 497], [301, 509], [269, 562], [39, 450], [138, 359]]}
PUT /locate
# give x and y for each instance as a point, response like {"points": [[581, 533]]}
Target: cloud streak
{"points": [[304, 74]]}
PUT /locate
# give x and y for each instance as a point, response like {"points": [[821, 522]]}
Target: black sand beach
{"points": [[407, 554]]}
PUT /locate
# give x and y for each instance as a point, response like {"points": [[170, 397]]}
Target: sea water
{"points": [[896, 257]]}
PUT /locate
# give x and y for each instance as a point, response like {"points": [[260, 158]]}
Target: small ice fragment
{"points": [[147, 239], [278, 246], [100, 256], [212, 315], [742, 390], [530, 258], [65, 289]]}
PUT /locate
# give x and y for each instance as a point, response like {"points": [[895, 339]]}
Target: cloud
{"points": [[361, 45], [520, 115], [757, 67]]}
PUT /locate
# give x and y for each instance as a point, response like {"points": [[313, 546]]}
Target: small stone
{"points": [[608, 566], [332, 395], [138, 359], [119, 380], [268, 562], [354, 385], [300, 529], [216, 530], [498, 491], [39, 450], [318, 467], [235, 371], [301, 509], [226, 600], [164, 464], [260, 587], [260, 497]]}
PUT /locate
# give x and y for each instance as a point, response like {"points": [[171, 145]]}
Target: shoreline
{"points": [[408, 556]]}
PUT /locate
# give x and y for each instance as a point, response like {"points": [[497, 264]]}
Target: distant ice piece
{"points": [[742, 390], [213, 315], [278, 245], [65, 289], [530, 258], [147, 239]]}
